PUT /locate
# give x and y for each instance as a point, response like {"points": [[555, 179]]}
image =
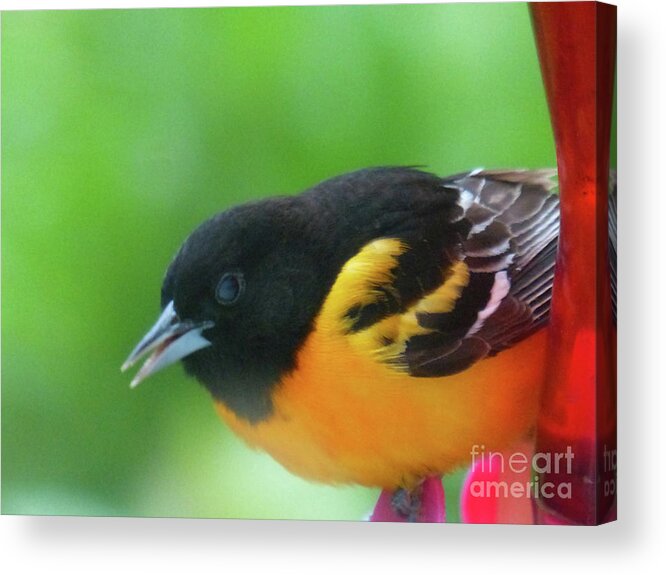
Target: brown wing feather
{"points": [[510, 252]]}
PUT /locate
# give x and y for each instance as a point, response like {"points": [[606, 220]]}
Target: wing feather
{"points": [[514, 221]]}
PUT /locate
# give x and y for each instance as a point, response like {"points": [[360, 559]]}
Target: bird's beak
{"points": [[170, 339]]}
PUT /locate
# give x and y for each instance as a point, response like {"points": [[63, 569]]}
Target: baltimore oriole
{"points": [[374, 328]]}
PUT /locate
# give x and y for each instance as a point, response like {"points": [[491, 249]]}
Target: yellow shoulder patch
{"points": [[359, 281], [363, 280]]}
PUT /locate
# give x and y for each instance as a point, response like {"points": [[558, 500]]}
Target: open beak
{"points": [[169, 340]]}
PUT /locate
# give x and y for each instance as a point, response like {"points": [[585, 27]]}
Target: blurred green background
{"points": [[122, 130]]}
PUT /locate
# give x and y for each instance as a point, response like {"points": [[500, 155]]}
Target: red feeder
{"points": [[576, 44]]}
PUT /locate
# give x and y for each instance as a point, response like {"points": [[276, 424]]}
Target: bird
{"points": [[374, 328]]}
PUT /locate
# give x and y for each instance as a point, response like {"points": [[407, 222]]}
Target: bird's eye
{"points": [[230, 288]]}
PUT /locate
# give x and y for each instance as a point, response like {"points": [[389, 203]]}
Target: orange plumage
{"points": [[348, 414]]}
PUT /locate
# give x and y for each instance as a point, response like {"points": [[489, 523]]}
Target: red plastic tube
{"points": [[576, 44]]}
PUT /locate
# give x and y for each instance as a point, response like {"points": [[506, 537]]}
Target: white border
{"points": [[80, 545]]}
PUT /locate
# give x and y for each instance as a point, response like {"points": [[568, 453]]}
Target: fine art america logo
{"points": [[502, 473]]}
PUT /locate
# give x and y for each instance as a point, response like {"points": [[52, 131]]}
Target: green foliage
{"points": [[124, 129]]}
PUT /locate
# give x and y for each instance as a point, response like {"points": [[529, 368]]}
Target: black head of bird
{"points": [[237, 299]]}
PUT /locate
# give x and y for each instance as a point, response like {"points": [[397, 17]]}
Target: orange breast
{"points": [[343, 417]]}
